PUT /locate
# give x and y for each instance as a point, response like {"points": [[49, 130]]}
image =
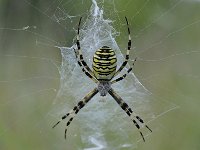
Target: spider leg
{"points": [[76, 109], [124, 75], [127, 52], [79, 54], [83, 69], [129, 112]]}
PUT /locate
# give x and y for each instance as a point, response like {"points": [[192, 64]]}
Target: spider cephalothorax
{"points": [[104, 87], [104, 70]]}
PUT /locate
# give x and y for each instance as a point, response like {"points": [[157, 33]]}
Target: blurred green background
{"points": [[165, 34]]}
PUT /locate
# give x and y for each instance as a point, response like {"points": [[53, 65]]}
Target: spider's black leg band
{"points": [[76, 109], [127, 52], [79, 54], [124, 75], [63, 117], [128, 110], [139, 119], [83, 69], [80, 105]]}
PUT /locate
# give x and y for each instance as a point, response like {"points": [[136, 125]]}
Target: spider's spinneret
{"points": [[104, 64]]}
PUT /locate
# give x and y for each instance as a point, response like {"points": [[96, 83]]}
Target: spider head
{"points": [[103, 88]]}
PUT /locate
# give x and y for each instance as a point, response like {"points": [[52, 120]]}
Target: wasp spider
{"points": [[104, 70]]}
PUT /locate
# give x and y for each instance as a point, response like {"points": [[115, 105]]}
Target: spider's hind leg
{"points": [[79, 56], [88, 74], [127, 51], [124, 75]]}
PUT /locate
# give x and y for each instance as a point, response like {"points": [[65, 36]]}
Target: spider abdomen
{"points": [[104, 63]]}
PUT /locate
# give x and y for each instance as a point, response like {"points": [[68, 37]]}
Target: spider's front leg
{"points": [[77, 108], [129, 111]]}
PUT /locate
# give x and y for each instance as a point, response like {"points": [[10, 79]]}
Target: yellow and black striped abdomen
{"points": [[104, 63]]}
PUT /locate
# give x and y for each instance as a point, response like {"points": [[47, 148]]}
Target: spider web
{"points": [[97, 119], [53, 89]]}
